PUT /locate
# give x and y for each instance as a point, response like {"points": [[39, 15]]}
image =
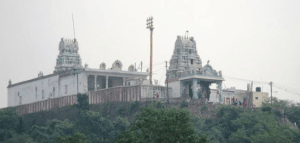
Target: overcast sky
{"points": [[247, 39]]}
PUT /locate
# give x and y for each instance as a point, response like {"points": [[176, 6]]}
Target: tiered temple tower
{"points": [[68, 58], [185, 58], [186, 75]]}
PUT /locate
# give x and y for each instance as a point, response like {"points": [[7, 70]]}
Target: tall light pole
{"points": [[150, 26]]}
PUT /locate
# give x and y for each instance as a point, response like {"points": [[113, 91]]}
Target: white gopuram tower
{"points": [[68, 58], [186, 76]]}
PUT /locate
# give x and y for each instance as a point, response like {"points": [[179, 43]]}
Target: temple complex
{"points": [[187, 80], [70, 77], [187, 77]]}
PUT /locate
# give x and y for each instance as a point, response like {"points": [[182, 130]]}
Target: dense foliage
{"points": [[159, 125], [83, 101], [156, 123], [265, 125]]}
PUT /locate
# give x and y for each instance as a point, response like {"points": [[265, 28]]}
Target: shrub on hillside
{"points": [[121, 110], [167, 125], [159, 105], [133, 106], [83, 101], [184, 104], [203, 108]]}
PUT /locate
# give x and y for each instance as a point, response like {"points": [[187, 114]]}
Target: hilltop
{"points": [[105, 122]]}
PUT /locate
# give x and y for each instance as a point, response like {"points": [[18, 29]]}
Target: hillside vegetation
{"points": [[153, 122]]}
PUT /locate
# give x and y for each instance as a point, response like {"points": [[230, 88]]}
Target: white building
{"points": [[69, 78]]}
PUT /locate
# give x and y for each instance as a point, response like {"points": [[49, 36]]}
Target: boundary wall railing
{"points": [[114, 94], [47, 104]]}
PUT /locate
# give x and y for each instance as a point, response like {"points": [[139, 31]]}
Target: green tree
{"points": [[96, 127], [152, 125], [51, 131], [76, 138], [20, 138], [260, 127], [83, 101], [8, 123], [20, 126]]}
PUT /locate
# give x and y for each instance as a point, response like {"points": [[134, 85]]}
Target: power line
{"points": [[159, 69], [287, 90], [157, 64], [247, 80], [290, 88], [160, 78]]}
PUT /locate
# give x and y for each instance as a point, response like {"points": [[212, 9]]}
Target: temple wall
{"points": [[214, 97], [68, 84], [44, 88], [33, 91], [115, 94], [175, 86], [46, 105]]}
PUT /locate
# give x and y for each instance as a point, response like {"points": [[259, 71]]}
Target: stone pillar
{"points": [[124, 81], [95, 76], [107, 81], [195, 89], [182, 88], [219, 87]]}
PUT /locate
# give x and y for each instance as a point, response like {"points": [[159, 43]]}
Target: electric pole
{"points": [[271, 83], [167, 81], [150, 26]]}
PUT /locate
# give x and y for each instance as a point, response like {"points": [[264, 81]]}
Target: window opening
{"points": [[20, 98], [66, 89], [35, 92], [53, 92]]}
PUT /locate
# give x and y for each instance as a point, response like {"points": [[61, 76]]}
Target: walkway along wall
{"points": [[115, 94]]}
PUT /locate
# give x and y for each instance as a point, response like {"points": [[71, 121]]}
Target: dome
{"points": [[117, 65]]}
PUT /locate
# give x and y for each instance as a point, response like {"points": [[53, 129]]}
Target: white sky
{"points": [[253, 39]]}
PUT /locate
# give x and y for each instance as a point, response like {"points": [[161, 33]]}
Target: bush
{"points": [[159, 105], [77, 137], [167, 125], [133, 106], [121, 110], [266, 109], [83, 101], [184, 104], [203, 108]]}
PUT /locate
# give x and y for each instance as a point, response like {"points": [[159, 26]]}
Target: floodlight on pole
{"points": [[150, 26]]}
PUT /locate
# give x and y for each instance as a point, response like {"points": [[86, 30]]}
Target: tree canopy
{"points": [[153, 125]]}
